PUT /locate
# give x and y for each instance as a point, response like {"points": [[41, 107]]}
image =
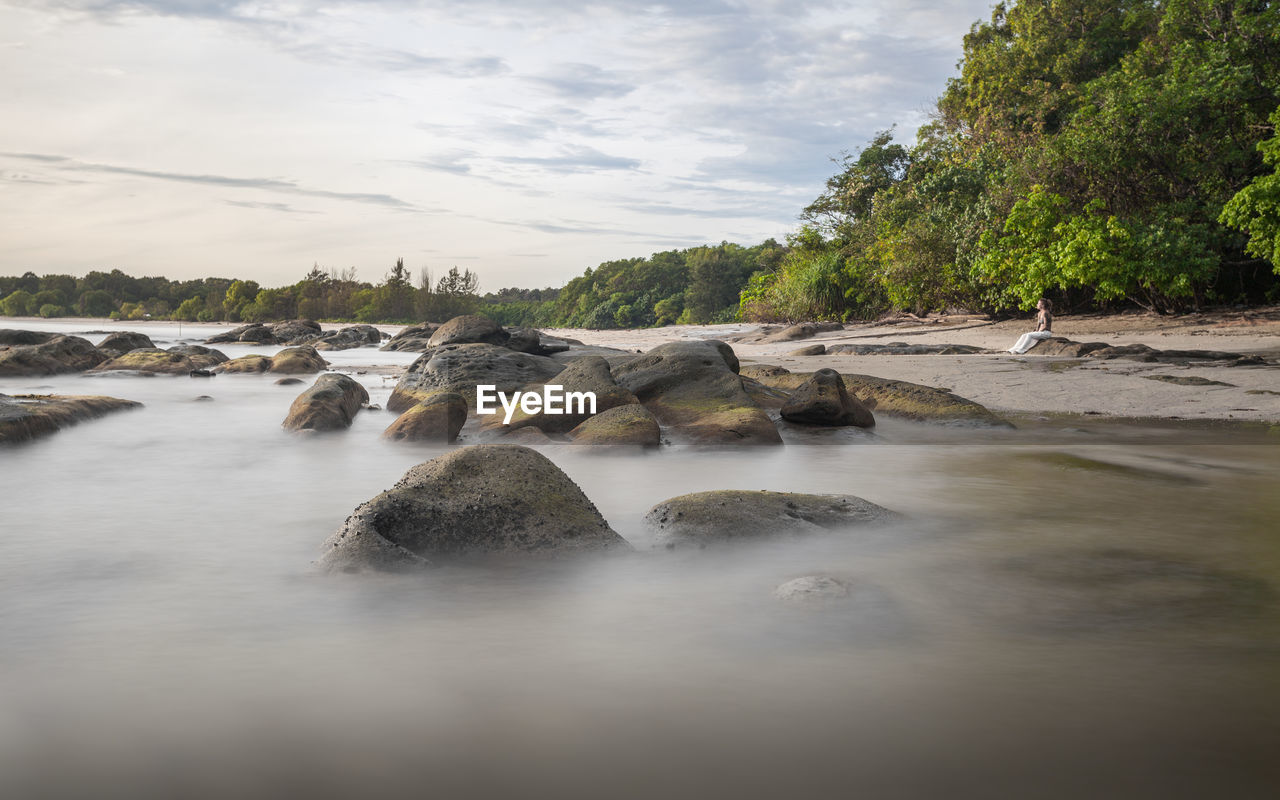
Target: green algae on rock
{"points": [[24, 417]]}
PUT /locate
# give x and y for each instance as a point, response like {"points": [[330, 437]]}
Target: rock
{"points": [[469, 329], [253, 333], [436, 419], [611, 354], [117, 344], [761, 371], [824, 400], [622, 425], [330, 404], [528, 435], [17, 336], [288, 381], [585, 374], [346, 338], [904, 349], [529, 340], [152, 361], [295, 331], [694, 390], [303, 360], [245, 364], [57, 355], [811, 350], [204, 398], [460, 367], [475, 502], [415, 339], [1058, 346], [896, 398], [803, 330], [202, 357], [1186, 380], [707, 517], [812, 590], [201, 373], [24, 417]]}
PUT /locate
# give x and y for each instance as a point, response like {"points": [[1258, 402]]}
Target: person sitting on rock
{"points": [[1044, 320]]}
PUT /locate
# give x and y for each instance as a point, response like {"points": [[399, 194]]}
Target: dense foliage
{"points": [[1096, 151]]}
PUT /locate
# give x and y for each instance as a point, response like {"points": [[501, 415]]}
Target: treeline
{"points": [[330, 295], [1097, 152]]}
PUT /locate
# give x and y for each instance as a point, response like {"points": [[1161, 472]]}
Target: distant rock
{"points": [[1186, 380], [51, 357], [117, 344], [301, 360], [811, 350], [461, 367], [202, 357], [773, 333], [295, 331], [245, 364], [347, 338], [415, 339], [469, 329], [330, 404], [824, 400], [694, 390], [1058, 346], [530, 340], [904, 349], [24, 417], [438, 418], [621, 425], [719, 516], [476, 502], [289, 381], [18, 336], [262, 333], [151, 360]]}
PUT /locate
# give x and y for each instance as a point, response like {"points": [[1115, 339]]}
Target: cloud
{"points": [[573, 159], [268, 184], [582, 82], [283, 207]]}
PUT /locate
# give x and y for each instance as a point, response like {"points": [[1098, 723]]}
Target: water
{"points": [[1058, 618]]}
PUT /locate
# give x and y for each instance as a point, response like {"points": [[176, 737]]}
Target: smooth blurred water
{"points": [[1057, 618]]}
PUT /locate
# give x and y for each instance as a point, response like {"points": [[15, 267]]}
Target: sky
{"points": [[526, 141]]}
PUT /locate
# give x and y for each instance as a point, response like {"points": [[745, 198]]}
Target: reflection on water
{"points": [[1056, 619]]}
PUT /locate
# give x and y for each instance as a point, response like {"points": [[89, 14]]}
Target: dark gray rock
{"points": [[117, 344], [476, 502], [57, 355], [469, 329], [330, 404], [824, 400], [415, 339], [347, 338], [708, 517], [461, 367], [17, 336], [529, 340]]}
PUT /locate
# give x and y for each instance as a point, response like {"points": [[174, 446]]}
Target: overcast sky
{"points": [[524, 140]]}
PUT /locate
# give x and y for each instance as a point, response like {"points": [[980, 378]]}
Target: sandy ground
{"points": [[1037, 384]]}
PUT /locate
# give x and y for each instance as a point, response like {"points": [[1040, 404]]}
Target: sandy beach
{"points": [[1033, 383]]}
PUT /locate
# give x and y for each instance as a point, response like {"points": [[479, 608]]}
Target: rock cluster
{"points": [[24, 417]]}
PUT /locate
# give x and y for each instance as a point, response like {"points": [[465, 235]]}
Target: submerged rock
{"points": [[693, 388], [479, 501], [823, 400], [812, 590], [469, 329], [51, 357], [117, 344], [708, 517], [24, 417], [436, 419], [622, 425], [330, 404], [461, 367]]}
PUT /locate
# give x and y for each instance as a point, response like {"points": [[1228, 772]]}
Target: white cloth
{"points": [[1030, 340]]}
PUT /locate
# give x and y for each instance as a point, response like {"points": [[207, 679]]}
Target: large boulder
{"points": [[295, 331], [347, 338], [622, 425], [438, 418], [469, 329], [24, 417], [475, 502], [303, 360], [202, 357], [54, 356], [121, 342], [330, 404], [824, 400], [694, 390], [415, 339], [149, 360], [461, 367], [896, 398], [708, 517], [582, 375]]}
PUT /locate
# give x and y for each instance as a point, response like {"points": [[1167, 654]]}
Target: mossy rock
{"points": [[245, 364], [303, 360], [202, 357], [722, 516], [27, 416], [461, 367], [152, 361], [439, 418], [51, 357], [621, 425], [475, 503], [330, 404], [121, 342]]}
